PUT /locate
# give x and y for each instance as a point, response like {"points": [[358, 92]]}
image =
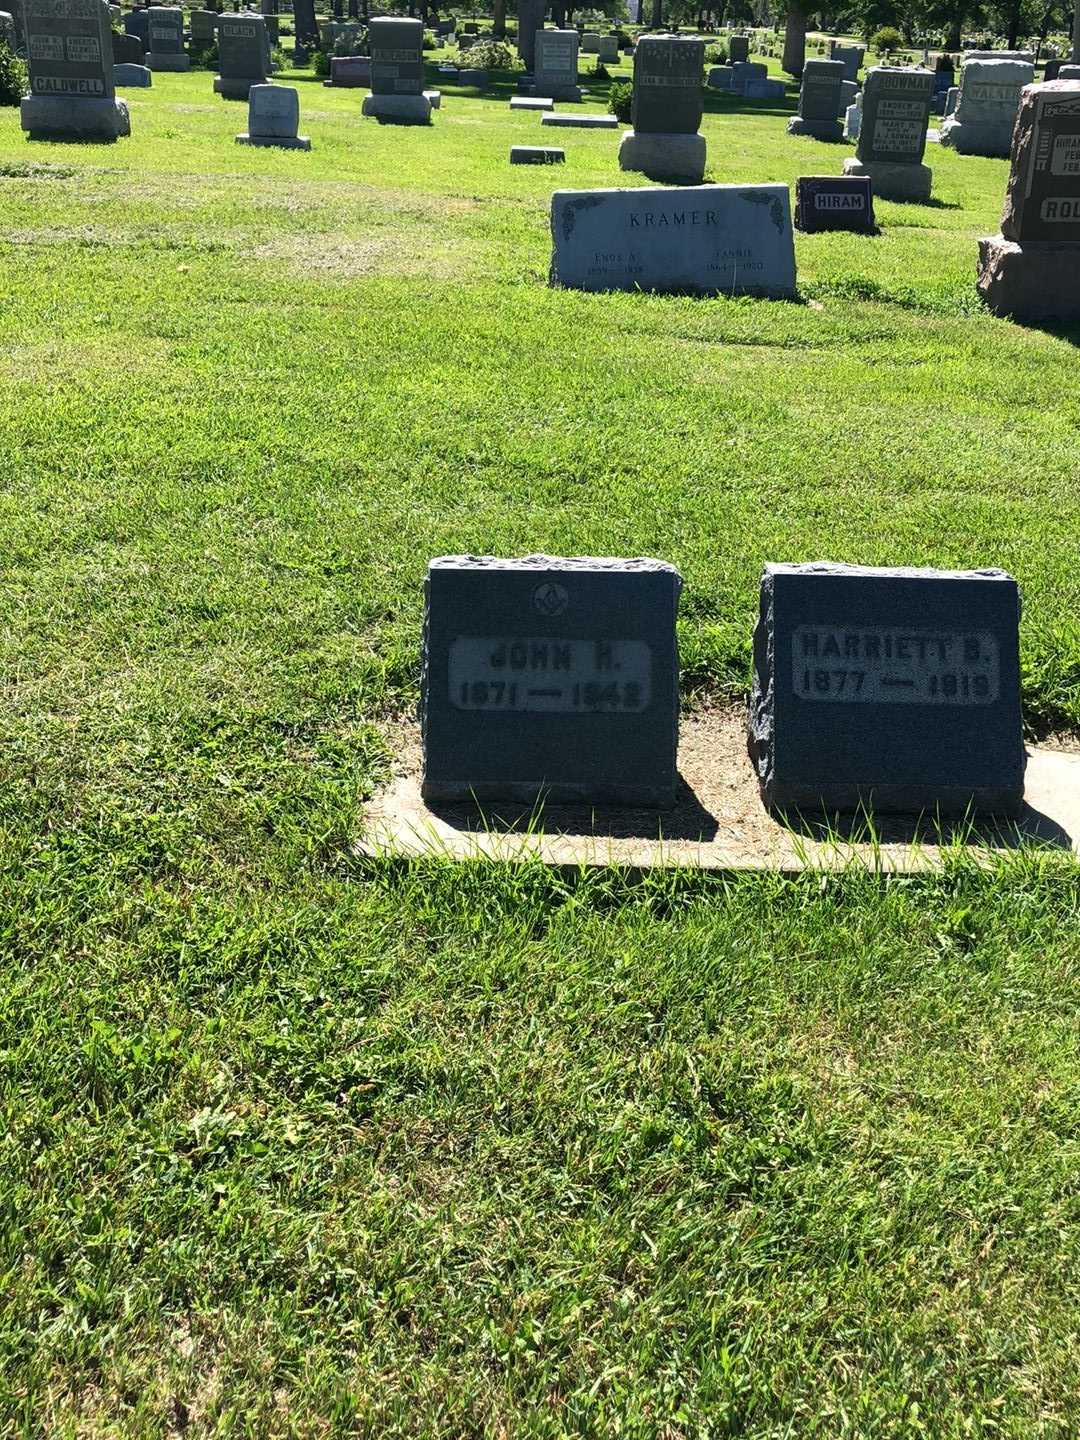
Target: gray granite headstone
{"points": [[166, 30], [397, 62], [738, 48], [72, 85], [668, 75], [555, 68], [887, 690], [243, 55], [127, 49], [550, 678], [819, 101], [204, 25], [138, 23], [895, 114], [986, 104], [1042, 201]]}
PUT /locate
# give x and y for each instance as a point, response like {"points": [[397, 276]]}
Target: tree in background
{"points": [[795, 41]]}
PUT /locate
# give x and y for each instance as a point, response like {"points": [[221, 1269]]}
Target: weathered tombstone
{"points": [[243, 56], [1052, 68], [850, 56], [989, 94], [580, 122], [853, 118], [1069, 72], [704, 240], [397, 72], [167, 40], [719, 77], [349, 72], [848, 91], [1031, 271], [536, 155], [834, 202], [274, 118], [126, 49], [887, 691], [132, 77], [738, 48], [550, 679], [608, 53], [555, 67], [751, 80], [72, 90], [820, 95], [590, 43], [667, 105], [204, 24], [892, 135]]}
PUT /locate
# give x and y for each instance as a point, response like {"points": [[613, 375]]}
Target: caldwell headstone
{"points": [[738, 48], [550, 679], [397, 72], [555, 68], [667, 104], [892, 136], [72, 89], [704, 240], [1031, 271], [820, 96], [989, 95], [887, 690], [243, 56], [167, 40], [834, 202]]}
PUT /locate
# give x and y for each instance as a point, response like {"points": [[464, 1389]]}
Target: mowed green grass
{"points": [[293, 1144]]}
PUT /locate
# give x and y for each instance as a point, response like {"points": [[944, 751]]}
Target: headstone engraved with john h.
{"points": [[664, 143], [892, 133], [550, 678], [72, 89], [1031, 271]]}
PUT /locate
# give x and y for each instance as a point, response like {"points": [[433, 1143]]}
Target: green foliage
{"points": [[621, 100], [716, 53], [320, 63], [205, 58], [886, 40], [489, 54], [14, 78], [430, 43]]}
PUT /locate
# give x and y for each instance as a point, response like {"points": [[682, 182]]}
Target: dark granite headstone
{"points": [[138, 23], [1052, 68], [550, 678], [819, 93], [738, 48], [895, 114], [668, 80], [887, 690], [536, 155], [1042, 201], [834, 202], [127, 49], [166, 30], [397, 63], [69, 49], [243, 55]]}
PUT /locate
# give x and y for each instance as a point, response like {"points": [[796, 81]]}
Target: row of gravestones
{"points": [[883, 690]]}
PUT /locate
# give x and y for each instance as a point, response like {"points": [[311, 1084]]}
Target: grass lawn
{"points": [[298, 1145]]}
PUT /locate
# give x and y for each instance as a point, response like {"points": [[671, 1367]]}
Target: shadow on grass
{"points": [[988, 832]]}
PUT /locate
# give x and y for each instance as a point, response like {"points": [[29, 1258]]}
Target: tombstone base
{"points": [[56, 117], [947, 801], [816, 129], [664, 157], [994, 142], [560, 94], [135, 77], [894, 182], [1035, 281], [398, 109], [276, 142], [531, 102], [230, 89], [174, 64], [581, 122], [434, 98]]}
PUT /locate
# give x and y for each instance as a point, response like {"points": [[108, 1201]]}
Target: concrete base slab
{"points": [[531, 102], [894, 182], [1036, 281], [235, 89], [276, 142], [58, 117], [434, 98], [398, 109], [679, 158], [581, 122], [718, 822], [816, 129], [169, 64]]}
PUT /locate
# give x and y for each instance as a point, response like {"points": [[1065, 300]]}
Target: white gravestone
{"points": [[274, 118]]}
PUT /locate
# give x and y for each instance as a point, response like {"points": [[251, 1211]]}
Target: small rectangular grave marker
{"points": [[834, 202], [550, 678], [888, 690], [536, 155]]}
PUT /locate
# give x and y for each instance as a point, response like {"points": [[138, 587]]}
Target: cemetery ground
{"points": [[296, 1143]]}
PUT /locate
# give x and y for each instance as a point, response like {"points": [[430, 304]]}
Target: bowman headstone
{"points": [[820, 96], [986, 104], [666, 112], [547, 678], [887, 690], [1031, 271], [555, 68], [243, 56], [167, 40], [892, 135], [397, 72], [834, 202], [704, 240], [72, 89]]}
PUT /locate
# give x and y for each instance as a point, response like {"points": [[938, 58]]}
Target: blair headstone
{"points": [[550, 679], [834, 202], [72, 89], [397, 72], [243, 55], [667, 105], [1031, 271], [986, 104], [820, 95], [167, 40], [887, 690], [556, 65], [892, 135], [703, 240]]}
